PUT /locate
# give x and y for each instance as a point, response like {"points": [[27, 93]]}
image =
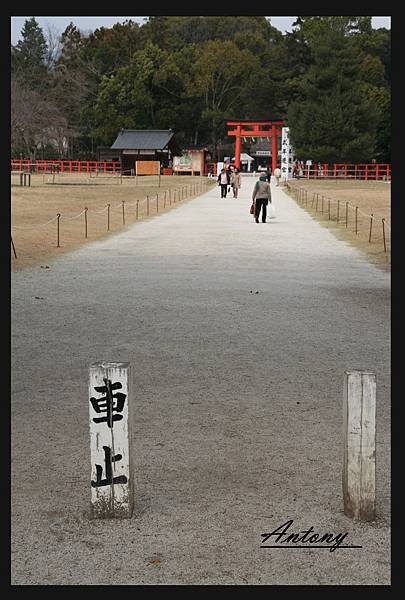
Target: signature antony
{"points": [[303, 539]]}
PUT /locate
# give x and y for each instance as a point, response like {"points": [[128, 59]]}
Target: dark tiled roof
{"points": [[142, 139]]}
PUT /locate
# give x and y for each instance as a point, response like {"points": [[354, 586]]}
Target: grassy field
{"points": [[34, 209], [334, 203]]}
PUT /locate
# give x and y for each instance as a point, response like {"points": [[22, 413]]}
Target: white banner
{"points": [[287, 154]]}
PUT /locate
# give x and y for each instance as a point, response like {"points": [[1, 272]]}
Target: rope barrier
{"points": [[99, 212], [75, 217], [301, 194], [349, 205], [34, 226], [183, 192]]}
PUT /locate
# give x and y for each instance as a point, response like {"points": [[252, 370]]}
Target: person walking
{"points": [[268, 174], [261, 196], [236, 181], [277, 175], [223, 180]]}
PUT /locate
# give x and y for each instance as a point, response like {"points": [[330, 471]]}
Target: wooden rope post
{"points": [[110, 403], [347, 212], [85, 222], [371, 225], [316, 205], [337, 211], [170, 197], [329, 209], [383, 228], [147, 206], [137, 207], [123, 212], [164, 200], [157, 203], [357, 209], [322, 199], [108, 217], [359, 427], [12, 243], [57, 230]]}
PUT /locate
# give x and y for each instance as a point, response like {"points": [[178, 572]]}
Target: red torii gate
{"points": [[255, 129]]}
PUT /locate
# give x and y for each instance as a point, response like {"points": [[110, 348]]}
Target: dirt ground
{"points": [[34, 209], [239, 335], [323, 199]]}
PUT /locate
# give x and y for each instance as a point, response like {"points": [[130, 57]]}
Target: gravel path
{"points": [[239, 335]]}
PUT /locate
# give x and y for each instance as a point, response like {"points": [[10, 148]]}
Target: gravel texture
{"points": [[238, 335]]}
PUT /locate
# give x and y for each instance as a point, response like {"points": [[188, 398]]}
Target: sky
{"points": [[87, 24]]}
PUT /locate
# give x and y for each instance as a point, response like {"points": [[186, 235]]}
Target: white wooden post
{"points": [[110, 394], [359, 406]]}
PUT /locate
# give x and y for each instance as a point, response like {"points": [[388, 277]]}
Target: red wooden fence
{"points": [[354, 171], [66, 166]]}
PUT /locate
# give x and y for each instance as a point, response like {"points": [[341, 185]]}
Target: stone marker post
{"points": [[110, 439], [359, 407]]}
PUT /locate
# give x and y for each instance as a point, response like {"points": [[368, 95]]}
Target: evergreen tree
{"points": [[334, 120], [28, 56]]}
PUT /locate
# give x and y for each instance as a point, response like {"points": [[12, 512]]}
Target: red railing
{"points": [[370, 171], [66, 166], [366, 171]]}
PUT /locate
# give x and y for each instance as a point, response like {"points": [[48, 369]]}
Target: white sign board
{"points": [[110, 446], [287, 154]]}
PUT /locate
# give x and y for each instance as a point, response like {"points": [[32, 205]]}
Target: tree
{"points": [[145, 94], [34, 121], [221, 83], [29, 54], [334, 119], [108, 49]]}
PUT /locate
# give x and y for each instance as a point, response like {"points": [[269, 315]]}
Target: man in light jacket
{"points": [[261, 196]]}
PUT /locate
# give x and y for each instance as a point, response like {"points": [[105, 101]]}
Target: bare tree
{"points": [[34, 120], [54, 47]]}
